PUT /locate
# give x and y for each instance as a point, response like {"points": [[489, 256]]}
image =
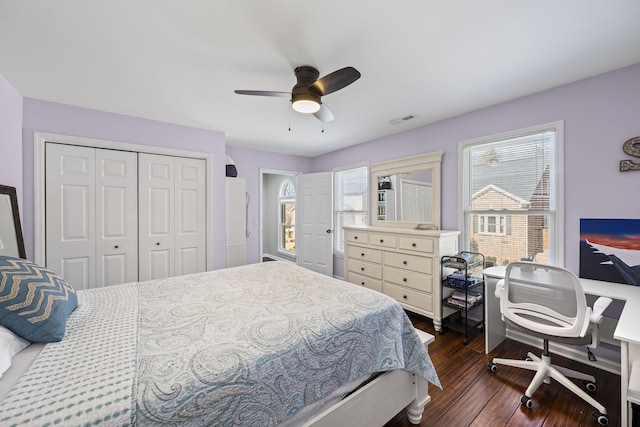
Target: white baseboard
{"points": [[573, 353]]}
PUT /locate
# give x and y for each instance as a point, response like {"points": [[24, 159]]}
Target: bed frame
{"points": [[380, 400]]}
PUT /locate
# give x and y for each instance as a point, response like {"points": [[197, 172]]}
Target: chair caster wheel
{"points": [[441, 331], [465, 341], [492, 367], [601, 418], [590, 386], [527, 401]]}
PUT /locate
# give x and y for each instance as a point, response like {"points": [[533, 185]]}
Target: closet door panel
{"points": [[156, 216], [70, 222], [117, 217], [190, 236]]}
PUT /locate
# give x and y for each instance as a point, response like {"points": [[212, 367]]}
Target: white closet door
{"points": [[156, 212], [116, 217], [70, 220], [190, 221]]}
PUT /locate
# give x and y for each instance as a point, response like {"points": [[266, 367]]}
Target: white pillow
{"points": [[10, 344]]}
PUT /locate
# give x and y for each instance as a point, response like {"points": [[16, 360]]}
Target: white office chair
{"points": [[549, 302]]}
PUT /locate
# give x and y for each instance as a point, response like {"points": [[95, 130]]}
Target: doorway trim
{"points": [[263, 172]]}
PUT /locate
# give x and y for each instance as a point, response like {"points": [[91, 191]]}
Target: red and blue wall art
{"points": [[610, 250]]}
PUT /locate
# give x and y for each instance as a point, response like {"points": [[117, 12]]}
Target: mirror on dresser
{"points": [[406, 192]]}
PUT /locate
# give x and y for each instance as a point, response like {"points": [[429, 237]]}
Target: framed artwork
{"points": [[610, 250]]}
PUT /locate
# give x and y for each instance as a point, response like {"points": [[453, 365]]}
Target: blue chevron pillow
{"points": [[34, 302]]}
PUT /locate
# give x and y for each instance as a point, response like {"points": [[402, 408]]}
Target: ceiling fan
{"points": [[307, 92]]}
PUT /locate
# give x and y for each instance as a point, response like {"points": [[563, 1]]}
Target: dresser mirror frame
{"points": [[424, 162]]}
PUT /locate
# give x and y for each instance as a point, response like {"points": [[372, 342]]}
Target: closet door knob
{"points": [[116, 246], [158, 244]]}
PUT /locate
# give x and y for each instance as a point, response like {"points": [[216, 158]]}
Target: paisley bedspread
{"points": [[243, 346]]}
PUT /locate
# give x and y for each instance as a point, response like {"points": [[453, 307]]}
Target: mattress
{"points": [[250, 345]]}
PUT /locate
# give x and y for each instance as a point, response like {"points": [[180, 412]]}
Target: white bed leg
{"points": [[414, 413]]}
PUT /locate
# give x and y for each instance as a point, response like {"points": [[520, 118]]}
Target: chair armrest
{"points": [[499, 287], [598, 308]]}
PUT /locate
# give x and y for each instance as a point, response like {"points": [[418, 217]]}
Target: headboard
{"points": [[11, 242]]}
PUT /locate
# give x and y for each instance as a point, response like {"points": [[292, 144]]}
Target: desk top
{"points": [[627, 328]]}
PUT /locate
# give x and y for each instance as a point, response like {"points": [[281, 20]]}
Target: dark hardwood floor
{"points": [[471, 395]]}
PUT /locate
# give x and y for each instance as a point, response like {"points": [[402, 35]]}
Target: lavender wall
{"points": [[68, 120], [11, 138], [249, 162], [599, 113]]}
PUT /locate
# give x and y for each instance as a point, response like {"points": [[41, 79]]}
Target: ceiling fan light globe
{"points": [[306, 106]]}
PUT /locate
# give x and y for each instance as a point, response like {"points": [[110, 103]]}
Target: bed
{"points": [[257, 345]]}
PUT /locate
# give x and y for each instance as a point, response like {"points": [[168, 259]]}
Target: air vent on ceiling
{"points": [[402, 119]]}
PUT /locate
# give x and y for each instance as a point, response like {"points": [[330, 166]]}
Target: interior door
{"points": [[190, 209], [156, 212], [315, 222], [116, 217], [416, 197], [70, 220]]}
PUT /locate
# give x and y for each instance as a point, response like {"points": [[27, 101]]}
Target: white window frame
{"points": [[556, 205], [337, 233], [281, 225]]}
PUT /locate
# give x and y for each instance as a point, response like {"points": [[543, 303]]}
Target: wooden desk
{"points": [[627, 330]]}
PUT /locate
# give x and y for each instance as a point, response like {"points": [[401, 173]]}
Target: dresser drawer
{"points": [[357, 236], [421, 264], [420, 244], [408, 296], [366, 268], [365, 254], [367, 282], [417, 281], [384, 240]]}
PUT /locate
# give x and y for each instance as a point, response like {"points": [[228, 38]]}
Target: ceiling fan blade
{"points": [[324, 114], [336, 80], [263, 93]]}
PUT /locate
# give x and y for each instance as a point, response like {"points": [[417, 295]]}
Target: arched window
{"points": [[287, 217]]}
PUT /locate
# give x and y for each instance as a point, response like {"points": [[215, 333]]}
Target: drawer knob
{"points": [[414, 245], [404, 296], [362, 254], [361, 268], [355, 237], [404, 262], [404, 279], [362, 283], [116, 246], [381, 240]]}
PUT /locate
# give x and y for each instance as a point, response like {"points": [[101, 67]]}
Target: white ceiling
{"points": [[180, 61]]}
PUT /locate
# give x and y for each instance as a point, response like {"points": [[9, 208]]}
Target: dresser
{"points": [[401, 263]]}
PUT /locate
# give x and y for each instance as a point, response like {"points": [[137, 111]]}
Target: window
{"points": [[351, 201], [511, 195], [287, 217]]}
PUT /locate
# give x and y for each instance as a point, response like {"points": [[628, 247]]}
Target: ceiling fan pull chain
{"points": [[289, 116], [322, 131]]}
